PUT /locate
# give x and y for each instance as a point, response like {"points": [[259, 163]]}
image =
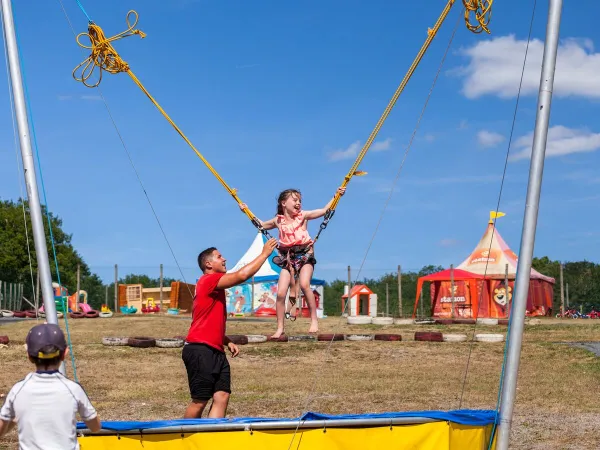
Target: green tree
{"points": [[15, 262]]}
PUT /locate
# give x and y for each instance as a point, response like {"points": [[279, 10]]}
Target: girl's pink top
{"points": [[293, 232]]}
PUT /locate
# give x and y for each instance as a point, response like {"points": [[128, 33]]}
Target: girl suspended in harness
{"points": [[296, 255]]}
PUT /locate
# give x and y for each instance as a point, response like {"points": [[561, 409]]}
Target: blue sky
{"points": [[279, 95]]}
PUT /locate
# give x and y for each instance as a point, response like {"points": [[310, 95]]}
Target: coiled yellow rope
{"points": [[106, 58], [483, 14]]}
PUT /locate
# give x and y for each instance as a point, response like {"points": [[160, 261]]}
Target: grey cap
{"points": [[42, 338]]}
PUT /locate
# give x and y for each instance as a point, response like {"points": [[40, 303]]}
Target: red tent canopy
{"points": [[444, 275]]}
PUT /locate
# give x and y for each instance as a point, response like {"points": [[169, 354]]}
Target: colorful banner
{"points": [[442, 300]]}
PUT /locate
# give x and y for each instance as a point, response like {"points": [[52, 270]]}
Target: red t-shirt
{"points": [[209, 313]]}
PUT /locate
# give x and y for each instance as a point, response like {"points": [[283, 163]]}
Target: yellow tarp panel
{"points": [[430, 436]]}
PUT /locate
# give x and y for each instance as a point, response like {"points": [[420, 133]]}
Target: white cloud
{"points": [[495, 66], [561, 141], [448, 242], [352, 150], [382, 145], [488, 139], [90, 97]]}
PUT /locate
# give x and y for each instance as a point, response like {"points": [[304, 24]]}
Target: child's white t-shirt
{"points": [[45, 405]]}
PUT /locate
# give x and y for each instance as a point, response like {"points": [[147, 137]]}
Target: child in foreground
{"points": [[296, 254], [44, 404]]}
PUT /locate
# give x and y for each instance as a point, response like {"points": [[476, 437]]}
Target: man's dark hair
{"points": [[204, 256]]}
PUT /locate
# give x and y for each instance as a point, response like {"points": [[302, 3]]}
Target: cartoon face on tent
{"points": [[501, 296]]}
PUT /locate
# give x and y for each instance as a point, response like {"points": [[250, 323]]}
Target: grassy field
{"points": [[557, 402]]}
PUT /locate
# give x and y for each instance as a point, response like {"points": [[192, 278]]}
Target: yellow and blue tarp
{"points": [[422, 430]]}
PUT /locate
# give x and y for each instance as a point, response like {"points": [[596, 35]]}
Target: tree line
{"points": [[582, 277]]}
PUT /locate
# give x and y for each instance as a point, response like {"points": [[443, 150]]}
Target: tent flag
{"points": [[495, 215]]}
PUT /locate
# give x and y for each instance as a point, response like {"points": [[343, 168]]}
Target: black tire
{"points": [[430, 336], [388, 337], [141, 342], [92, 314], [282, 338], [330, 337], [238, 339], [76, 315]]}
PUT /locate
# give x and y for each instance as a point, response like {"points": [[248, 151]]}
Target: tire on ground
{"points": [[447, 337], [141, 342], [282, 338], [4, 340], [30, 314], [359, 320], [383, 321], [487, 321], [444, 321], [388, 337], [76, 315], [330, 337], [6, 313], [302, 338], [169, 343], [115, 341], [105, 315], [359, 337], [424, 321], [256, 338], [19, 314], [92, 314], [502, 321], [238, 339], [489, 337], [404, 322], [465, 321], [431, 336]]}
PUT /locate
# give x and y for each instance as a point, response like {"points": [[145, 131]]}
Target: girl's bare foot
{"points": [[314, 327], [277, 334]]}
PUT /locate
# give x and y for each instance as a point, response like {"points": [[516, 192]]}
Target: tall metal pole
{"points": [[348, 305], [161, 289], [567, 286], [78, 284], [536, 170], [116, 310], [387, 299], [35, 209], [562, 291], [400, 291]]}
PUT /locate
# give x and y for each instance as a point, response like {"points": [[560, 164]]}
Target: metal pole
{"points": [[35, 209], [252, 299], [387, 299], [508, 301], [106, 295], [10, 297], [509, 384], [562, 292], [78, 285], [21, 290], [452, 287], [567, 294], [348, 300], [400, 291], [116, 289], [161, 288]]}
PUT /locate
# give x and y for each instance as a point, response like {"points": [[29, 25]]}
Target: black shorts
{"points": [[207, 369]]}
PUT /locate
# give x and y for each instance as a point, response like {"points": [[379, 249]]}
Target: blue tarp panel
{"points": [[463, 417]]}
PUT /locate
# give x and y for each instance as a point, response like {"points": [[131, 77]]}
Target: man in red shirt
{"points": [[203, 354]]}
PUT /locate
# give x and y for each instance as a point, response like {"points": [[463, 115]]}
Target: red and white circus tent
{"points": [[479, 283]]}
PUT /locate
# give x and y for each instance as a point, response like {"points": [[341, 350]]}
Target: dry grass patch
{"points": [[556, 382]]}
